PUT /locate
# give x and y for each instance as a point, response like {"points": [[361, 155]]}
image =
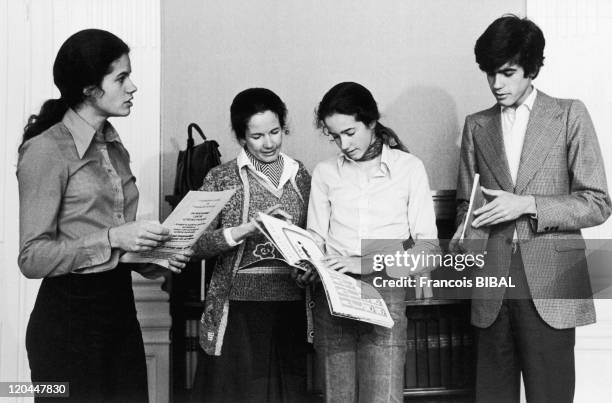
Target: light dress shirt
{"points": [[514, 126], [74, 185], [348, 205]]}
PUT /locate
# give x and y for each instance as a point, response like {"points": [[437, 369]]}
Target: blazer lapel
{"points": [[489, 139], [543, 129]]}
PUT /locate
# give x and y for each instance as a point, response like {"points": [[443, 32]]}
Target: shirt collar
{"points": [[385, 159], [530, 99], [83, 134], [528, 102], [243, 161]]}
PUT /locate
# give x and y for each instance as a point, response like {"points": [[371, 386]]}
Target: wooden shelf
{"points": [[418, 392], [434, 301]]}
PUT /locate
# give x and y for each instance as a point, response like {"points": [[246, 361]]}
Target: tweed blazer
{"points": [[562, 167]]}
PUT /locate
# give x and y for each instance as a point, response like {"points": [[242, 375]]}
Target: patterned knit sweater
{"points": [[262, 275], [231, 259]]}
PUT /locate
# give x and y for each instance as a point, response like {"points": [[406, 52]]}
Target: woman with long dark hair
{"points": [[374, 189], [78, 201]]}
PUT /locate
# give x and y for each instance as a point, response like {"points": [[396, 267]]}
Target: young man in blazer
{"points": [[541, 169]]}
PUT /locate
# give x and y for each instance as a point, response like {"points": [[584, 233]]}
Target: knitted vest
{"points": [[263, 276]]}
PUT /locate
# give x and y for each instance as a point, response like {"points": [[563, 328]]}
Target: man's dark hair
{"points": [[511, 39]]}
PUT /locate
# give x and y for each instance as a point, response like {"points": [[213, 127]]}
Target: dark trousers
{"points": [[519, 341]]}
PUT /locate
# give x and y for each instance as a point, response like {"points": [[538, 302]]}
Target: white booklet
{"points": [[186, 223], [346, 296], [474, 239]]}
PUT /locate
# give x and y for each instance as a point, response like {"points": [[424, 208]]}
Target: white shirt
{"points": [[514, 125], [348, 205]]}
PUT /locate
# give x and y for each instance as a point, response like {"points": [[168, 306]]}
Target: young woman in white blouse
{"points": [[374, 189]]}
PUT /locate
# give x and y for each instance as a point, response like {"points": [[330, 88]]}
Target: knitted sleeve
{"points": [[212, 242]]}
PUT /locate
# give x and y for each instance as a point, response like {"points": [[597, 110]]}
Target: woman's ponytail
{"points": [[50, 113], [389, 137]]}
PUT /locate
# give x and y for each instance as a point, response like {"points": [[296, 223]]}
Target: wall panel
{"points": [[31, 32]]}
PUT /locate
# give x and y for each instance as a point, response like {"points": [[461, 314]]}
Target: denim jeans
{"points": [[361, 362]]}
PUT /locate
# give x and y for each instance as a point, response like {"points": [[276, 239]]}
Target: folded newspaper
{"points": [[346, 296], [186, 223]]}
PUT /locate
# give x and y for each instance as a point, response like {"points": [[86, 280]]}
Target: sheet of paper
{"points": [[476, 201], [186, 223], [473, 239]]}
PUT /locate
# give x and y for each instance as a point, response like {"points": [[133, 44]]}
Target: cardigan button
{"points": [[311, 304]]}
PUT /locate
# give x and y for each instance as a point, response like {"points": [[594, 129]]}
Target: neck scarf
{"points": [[373, 150]]}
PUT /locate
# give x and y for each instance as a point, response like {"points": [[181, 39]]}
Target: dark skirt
{"points": [[83, 330], [263, 357]]}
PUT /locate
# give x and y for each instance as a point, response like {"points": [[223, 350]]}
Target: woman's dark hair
{"points": [[252, 101], [82, 61], [511, 39], [355, 100]]}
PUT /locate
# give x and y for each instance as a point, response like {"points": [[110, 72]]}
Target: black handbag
{"points": [[192, 166], [194, 163]]}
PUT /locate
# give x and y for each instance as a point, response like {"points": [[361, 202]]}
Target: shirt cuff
{"points": [[227, 234], [95, 249]]}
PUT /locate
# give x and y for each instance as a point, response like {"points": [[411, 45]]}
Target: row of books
{"points": [[440, 351], [192, 346]]}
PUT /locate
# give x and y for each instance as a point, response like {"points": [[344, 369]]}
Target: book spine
{"points": [[433, 353], [421, 352], [445, 353], [410, 370], [468, 354], [456, 353]]}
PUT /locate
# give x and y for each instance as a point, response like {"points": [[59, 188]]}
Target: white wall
{"points": [[15, 293], [415, 56], [578, 59]]}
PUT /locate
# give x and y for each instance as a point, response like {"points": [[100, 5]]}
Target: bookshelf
{"points": [[440, 366], [449, 339]]}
